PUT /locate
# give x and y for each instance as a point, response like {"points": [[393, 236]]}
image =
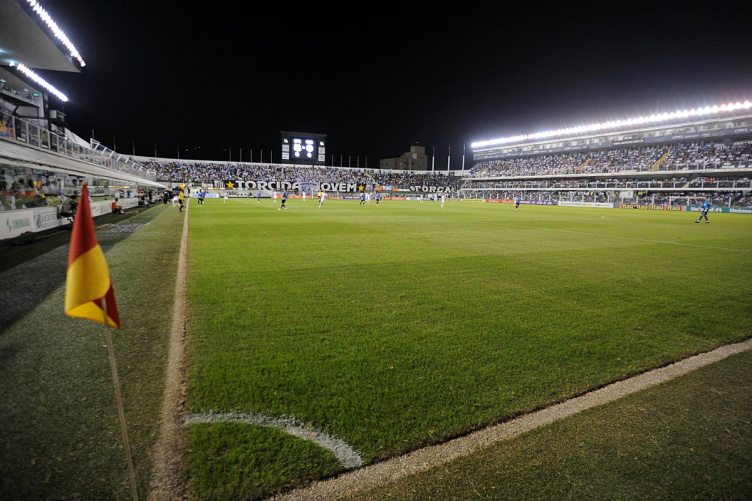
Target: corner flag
{"points": [[88, 281]]}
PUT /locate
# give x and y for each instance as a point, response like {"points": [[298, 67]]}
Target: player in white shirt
{"points": [[226, 197], [321, 200], [443, 199]]}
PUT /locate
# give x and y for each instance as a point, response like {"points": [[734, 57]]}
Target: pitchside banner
{"points": [[284, 186], [340, 187], [729, 210], [526, 202], [432, 189]]}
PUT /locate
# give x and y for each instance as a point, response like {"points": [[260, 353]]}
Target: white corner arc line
{"points": [[347, 456], [396, 468]]}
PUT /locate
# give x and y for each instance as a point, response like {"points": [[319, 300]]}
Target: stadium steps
{"points": [[660, 161]]}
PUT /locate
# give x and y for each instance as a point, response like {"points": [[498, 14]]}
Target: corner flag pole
{"points": [[119, 399], [89, 294]]}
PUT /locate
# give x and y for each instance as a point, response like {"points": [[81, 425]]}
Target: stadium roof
{"points": [[20, 155], [675, 117], [25, 38]]}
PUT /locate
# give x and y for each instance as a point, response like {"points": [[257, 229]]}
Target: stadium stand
{"points": [[216, 175], [676, 173]]}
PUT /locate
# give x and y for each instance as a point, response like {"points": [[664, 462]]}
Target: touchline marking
{"points": [[391, 470], [346, 455], [624, 238], [169, 480]]}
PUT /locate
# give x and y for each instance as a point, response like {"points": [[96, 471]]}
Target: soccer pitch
{"points": [[396, 326]]}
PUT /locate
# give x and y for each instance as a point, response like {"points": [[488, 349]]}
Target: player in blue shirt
{"points": [[705, 209], [362, 199], [516, 203], [258, 196], [284, 199]]}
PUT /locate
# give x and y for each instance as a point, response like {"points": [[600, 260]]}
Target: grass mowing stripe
{"points": [[424, 459], [630, 238], [431, 326], [684, 439]]}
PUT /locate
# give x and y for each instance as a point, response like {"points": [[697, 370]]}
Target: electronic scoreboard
{"points": [[303, 148]]}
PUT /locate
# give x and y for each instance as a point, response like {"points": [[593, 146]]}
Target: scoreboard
{"points": [[303, 148]]}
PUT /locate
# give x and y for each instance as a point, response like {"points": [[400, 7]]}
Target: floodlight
{"points": [[59, 34], [40, 81], [707, 110]]}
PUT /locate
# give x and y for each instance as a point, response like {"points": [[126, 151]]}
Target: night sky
{"points": [[380, 77]]}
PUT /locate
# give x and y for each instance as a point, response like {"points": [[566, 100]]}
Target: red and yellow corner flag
{"points": [[88, 279]]}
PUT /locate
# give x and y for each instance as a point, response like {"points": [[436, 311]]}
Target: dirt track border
{"points": [[169, 481]]}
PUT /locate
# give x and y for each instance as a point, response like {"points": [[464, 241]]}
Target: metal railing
{"points": [[30, 132], [743, 184]]}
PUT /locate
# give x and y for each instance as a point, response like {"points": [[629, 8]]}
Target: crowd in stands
{"points": [[174, 172], [617, 183], [667, 157], [718, 199]]}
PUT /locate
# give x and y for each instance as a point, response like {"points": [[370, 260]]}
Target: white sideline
{"points": [[346, 455], [394, 469]]}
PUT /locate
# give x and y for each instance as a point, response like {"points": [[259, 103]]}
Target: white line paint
{"points": [[347, 456], [397, 468]]}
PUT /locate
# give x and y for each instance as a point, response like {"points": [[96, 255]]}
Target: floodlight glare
{"points": [[59, 34], [707, 110], [40, 81]]}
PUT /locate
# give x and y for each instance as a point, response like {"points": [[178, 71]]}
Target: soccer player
{"points": [[322, 197], [362, 199], [284, 199], [378, 199], [516, 203], [705, 209], [443, 199], [180, 200], [226, 197], [258, 197]]}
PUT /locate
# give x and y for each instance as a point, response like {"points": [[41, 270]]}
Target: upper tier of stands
{"points": [[671, 157]]}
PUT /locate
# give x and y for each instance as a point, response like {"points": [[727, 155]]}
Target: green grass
{"points": [[689, 439], [59, 430], [403, 325], [243, 458]]}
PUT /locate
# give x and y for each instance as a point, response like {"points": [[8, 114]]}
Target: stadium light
{"points": [[643, 120], [40, 81], [59, 34]]}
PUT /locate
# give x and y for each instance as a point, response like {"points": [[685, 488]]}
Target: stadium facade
{"points": [[42, 162]]}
